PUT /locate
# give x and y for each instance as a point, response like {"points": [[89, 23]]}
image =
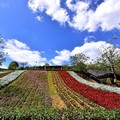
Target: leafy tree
{"points": [[98, 65], [13, 65], [65, 67], [79, 60], [2, 59], [111, 57]]}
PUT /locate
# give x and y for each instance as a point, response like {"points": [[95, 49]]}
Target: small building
{"points": [[52, 67]]}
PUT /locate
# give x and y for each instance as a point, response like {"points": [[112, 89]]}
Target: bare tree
{"points": [[23, 64], [2, 59]]}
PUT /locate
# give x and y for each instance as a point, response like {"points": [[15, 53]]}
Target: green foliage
{"points": [[13, 65], [110, 56], [79, 60], [65, 67], [98, 66], [47, 113]]}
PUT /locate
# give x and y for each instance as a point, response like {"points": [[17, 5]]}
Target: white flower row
{"points": [[95, 85], [10, 77]]}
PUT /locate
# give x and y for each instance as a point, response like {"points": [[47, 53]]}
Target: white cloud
{"points": [[90, 49], [106, 15], [39, 18], [89, 38], [81, 16], [51, 8], [20, 52], [63, 56]]}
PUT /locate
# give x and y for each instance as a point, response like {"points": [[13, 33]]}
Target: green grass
{"points": [[47, 113]]}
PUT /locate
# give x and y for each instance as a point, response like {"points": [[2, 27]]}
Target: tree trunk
{"points": [[113, 71]]}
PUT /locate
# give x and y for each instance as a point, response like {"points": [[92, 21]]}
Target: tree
{"points": [[2, 59], [65, 67], [13, 65], [79, 60], [23, 64], [98, 65], [110, 55]]}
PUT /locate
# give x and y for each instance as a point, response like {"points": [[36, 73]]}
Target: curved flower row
{"points": [[9, 78], [94, 85], [106, 99]]}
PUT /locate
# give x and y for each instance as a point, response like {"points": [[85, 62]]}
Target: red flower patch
{"points": [[109, 100]]}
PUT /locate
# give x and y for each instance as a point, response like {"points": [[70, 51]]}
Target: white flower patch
{"points": [[94, 85], [9, 78]]}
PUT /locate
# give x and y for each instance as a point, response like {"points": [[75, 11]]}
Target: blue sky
{"points": [[42, 31]]}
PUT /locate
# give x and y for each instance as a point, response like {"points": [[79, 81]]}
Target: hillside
{"points": [[55, 90]]}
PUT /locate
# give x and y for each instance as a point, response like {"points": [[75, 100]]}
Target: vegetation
{"points": [[43, 95], [47, 113], [111, 59], [4, 74], [79, 60], [71, 98], [13, 65], [108, 100], [30, 89]]}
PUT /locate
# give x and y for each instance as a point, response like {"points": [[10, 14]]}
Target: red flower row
{"points": [[109, 100]]}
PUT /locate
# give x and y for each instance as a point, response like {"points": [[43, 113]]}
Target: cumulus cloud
{"points": [[63, 56], [52, 8], [90, 49], [105, 16], [20, 52]]}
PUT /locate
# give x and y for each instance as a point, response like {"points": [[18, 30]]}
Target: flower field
{"points": [[55, 91], [70, 97], [31, 89], [109, 100]]}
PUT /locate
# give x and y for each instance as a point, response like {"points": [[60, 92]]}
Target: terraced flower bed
{"points": [[106, 99], [8, 78], [71, 98], [52, 95], [30, 89], [57, 102]]}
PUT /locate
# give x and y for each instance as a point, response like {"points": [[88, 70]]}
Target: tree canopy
{"points": [[79, 60], [13, 65]]}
